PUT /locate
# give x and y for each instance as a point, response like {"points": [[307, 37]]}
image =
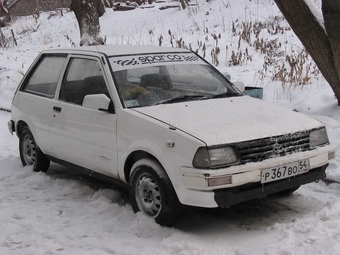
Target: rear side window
{"points": [[44, 78]]}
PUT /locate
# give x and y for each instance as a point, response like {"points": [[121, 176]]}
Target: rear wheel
{"points": [[151, 192], [30, 153]]}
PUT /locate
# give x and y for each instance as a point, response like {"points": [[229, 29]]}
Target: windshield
{"points": [[163, 79]]}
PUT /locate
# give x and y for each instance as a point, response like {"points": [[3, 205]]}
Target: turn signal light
{"points": [[219, 181]]}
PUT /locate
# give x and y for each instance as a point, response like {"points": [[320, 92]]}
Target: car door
{"points": [[79, 135]]}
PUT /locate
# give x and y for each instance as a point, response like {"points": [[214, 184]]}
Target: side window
{"points": [[44, 78], [83, 77]]}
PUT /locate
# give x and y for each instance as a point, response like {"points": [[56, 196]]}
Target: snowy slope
{"points": [[65, 213]]}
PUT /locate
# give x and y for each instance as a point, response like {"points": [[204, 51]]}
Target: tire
{"points": [[151, 192], [30, 153], [287, 192]]}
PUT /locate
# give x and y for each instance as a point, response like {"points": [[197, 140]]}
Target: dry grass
{"points": [[6, 40], [293, 67]]}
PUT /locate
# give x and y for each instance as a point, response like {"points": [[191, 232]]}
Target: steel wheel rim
{"points": [[29, 150], [148, 195]]}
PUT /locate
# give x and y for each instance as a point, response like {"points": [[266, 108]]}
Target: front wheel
{"points": [[151, 192], [30, 153]]}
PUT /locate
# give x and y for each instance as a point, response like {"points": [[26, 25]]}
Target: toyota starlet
{"points": [[164, 124]]}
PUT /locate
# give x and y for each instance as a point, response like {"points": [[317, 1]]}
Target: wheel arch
{"points": [[20, 126], [133, 158]]}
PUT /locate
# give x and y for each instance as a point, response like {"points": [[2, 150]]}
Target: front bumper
{"points": [[231, 196], [245, 181], [235, 176]]}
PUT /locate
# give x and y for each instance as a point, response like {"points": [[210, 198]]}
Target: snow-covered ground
{"points": [[65, 213]]}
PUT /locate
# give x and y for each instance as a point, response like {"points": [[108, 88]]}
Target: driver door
{"points": [[79, 135]]}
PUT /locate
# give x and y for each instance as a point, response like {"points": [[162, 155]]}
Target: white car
{"points": [[166, 125]]}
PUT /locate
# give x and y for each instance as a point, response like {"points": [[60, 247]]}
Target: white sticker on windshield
{"points": [[131, 103], [129, 62]]}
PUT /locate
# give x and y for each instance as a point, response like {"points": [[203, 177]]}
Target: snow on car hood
{"points": [[228, 120]]}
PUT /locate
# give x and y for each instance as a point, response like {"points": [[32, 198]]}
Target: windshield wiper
{"points": [[224, 94], [182, 98]]}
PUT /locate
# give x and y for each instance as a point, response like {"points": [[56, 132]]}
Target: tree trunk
{"points": [[331, 14], [87, 13], [313, 36], [4, 10]]}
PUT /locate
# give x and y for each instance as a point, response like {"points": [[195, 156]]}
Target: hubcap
{"points": [[148, 196], [29, 150]]}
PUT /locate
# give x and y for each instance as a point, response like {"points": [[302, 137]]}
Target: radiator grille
{"points": [[261, 149]]}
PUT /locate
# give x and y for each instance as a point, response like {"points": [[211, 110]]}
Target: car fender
{"points": [[161, 153], [36, 119]]}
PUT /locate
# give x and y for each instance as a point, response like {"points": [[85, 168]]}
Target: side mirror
{"points": [[239, 85], [97, 102]]}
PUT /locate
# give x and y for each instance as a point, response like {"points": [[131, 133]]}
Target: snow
{"points": [[65, 213], [315, 9]]}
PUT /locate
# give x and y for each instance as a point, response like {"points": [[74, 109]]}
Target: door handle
{"points": [[56, 109]]}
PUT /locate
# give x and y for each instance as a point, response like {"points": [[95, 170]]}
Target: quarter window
{"points": [[43, 80]]}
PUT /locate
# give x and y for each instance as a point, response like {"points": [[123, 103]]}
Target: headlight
{"points": [[214, 157], [318, 137]]}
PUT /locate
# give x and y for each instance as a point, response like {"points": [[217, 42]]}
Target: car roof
{"points": [[117, 50]]}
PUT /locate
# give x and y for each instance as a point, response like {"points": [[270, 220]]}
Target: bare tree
{"points": [[321, 37], [4, 10], [87, 13]]}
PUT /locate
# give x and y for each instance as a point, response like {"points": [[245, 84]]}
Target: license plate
{"points": [[284, 171]]}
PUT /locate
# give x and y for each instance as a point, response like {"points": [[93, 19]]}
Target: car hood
{"points": [[229, 120]]}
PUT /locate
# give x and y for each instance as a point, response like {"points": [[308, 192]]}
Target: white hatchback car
{"points": [[166, 125]]}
